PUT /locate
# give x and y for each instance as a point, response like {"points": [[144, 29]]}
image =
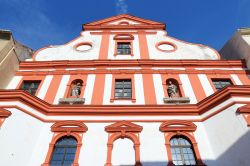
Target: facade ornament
{"points": [[76, 91], [172, 89]]}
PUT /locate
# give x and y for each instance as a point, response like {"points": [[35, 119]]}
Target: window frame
{"points": [[183, 128], [121, 77], [123, 88], [62, 129], [31, 80], [65, 149], [123, 38], [220, 80], [181, 148]]}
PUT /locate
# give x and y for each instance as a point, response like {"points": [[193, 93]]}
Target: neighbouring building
{"points": [[238, 46], [126, 93], [11, 53]]}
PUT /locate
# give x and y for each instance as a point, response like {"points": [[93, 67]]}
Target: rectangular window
{"points": [[123, 89], [221, 83], [124, 48], [30, 86]]}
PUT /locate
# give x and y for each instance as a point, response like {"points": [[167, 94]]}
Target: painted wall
{"points": [[229, 136], [181, 50], [24, 140], [194, 86]]}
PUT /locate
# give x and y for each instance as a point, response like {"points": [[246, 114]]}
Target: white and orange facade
{"points": [[126, 131]]}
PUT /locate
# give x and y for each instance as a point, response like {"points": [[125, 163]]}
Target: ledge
{"points": [[71, 101], [179, 100], [163, 109]]}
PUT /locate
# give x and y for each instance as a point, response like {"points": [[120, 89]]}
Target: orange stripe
{"points": [[98, 92], [104, 46], [148, 85], [244, 79], [197, 87], [53, 88], [143, 45]]}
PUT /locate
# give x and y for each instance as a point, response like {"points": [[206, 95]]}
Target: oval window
{"points": [[83, 47], [166, 46]]}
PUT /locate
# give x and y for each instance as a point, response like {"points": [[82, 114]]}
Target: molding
{"points": [[69, 126], [123, 126], [102, 110], [177, 125], [190, 64], [4, 113], [123, 129]]}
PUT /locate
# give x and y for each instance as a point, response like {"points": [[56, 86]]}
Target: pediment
{"points": [[123, 21], [123, 126], [244, 109], [69, 126], [4, 113], [177, 125]]}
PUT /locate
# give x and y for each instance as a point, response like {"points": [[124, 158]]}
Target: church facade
{"points": [[126, 93]]}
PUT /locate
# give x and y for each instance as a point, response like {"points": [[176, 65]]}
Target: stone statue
{"points": [[76, 91], [172, 90]]}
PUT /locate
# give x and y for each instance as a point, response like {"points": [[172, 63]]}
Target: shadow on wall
{"points": [[238, 154]]}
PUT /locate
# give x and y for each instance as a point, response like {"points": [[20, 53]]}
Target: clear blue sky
{"points": [[38, 23]]}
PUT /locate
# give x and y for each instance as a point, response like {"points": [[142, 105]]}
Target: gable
{"points": [[123, 21]]}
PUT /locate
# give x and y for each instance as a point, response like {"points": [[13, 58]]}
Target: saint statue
{"points": [[172, 90], [76, 91]]}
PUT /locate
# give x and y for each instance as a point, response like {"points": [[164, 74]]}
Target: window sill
{"points": [[122, 99], [123, 54]]}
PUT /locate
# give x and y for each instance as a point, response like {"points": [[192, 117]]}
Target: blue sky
{"points": [[38, 23]]}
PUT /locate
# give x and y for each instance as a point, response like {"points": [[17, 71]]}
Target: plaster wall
{"points": [[238, 47], [184, 50], [229, 137], [24, 140], [68, 51]]}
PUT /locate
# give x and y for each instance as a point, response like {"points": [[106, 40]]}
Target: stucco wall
{"points": [[229, 137]]}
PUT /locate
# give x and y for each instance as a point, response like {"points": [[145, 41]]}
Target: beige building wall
{"points": [[238, 47], [11, 52]]}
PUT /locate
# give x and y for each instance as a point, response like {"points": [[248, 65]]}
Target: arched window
{"points": [[173, 88], [64, 151], [182, 151]]}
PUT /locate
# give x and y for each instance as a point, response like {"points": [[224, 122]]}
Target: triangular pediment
{"points": [[123, 126], [124, 21]]}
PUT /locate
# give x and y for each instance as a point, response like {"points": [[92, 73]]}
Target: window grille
{"points": [[123, 89], [64, 152], [182, 151]]}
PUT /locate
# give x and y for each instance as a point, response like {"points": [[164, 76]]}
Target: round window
{"points": [[166, 46], [83, 47]]}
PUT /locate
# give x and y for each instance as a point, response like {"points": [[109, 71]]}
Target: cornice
{"points": [[128, 110], [131, 63]]}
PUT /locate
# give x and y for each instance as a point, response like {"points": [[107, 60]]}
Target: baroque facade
{"points": [[126, 93]]}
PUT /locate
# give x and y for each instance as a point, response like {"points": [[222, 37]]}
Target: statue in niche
{"points": [[76, 90], [172, 90]]}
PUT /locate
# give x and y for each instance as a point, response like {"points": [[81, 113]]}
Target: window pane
{"points": [[30, 86], [64, 152], [123, 88], [181, 150], [219, 84], [124, 48]]}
